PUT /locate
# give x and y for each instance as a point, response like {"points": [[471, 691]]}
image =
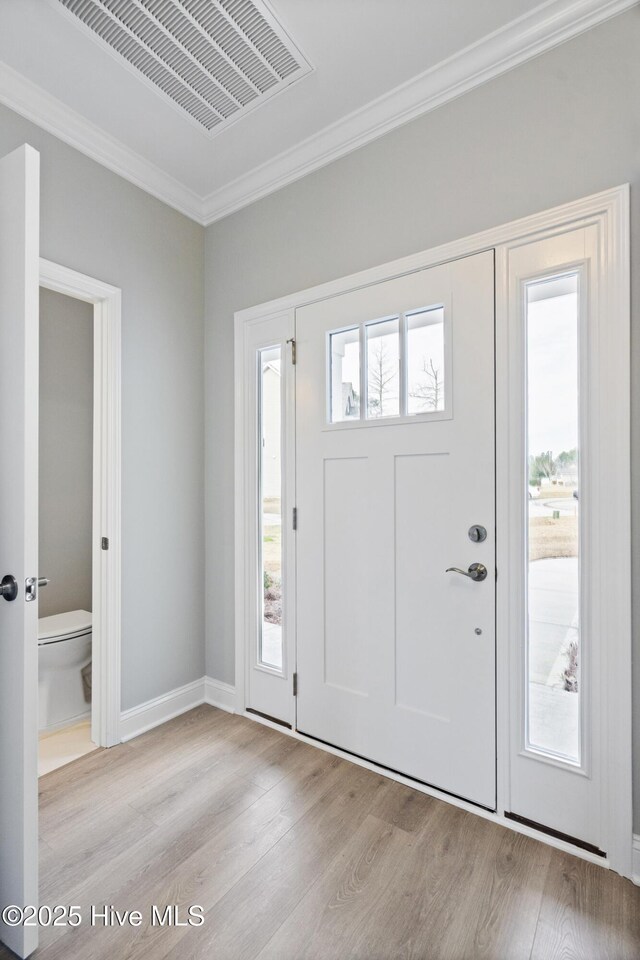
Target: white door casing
{"points": [[19, 333], [396, 656], [107, 469]]}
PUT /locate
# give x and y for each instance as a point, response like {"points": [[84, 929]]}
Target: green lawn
{"points": [[272, 548]]}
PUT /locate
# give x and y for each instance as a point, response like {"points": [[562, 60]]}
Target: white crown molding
{"points": [[49, 113], [549, 25]]}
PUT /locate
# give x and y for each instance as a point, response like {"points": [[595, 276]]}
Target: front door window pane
{"points": [[270, 480], [425, 361], [383, 368], [553, 502], [344, 355]]}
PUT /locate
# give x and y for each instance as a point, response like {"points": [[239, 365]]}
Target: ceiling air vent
{"points": [[215, 59]]}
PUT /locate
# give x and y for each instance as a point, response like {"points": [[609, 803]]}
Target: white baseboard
{"points": [[635, 865], [219, 694], [151, 714], [138, 719]]}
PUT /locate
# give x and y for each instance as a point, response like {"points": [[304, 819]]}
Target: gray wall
{"points": [[97, 223], [66, 452], [555, 129]]}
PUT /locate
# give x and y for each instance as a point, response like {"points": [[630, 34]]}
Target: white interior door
{"points": [[19, 273], [395, 466]]}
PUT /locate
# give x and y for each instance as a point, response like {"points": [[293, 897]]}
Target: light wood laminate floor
{"points": [[294, 853]]}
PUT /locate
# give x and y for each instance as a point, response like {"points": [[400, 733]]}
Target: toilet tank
{"points": [[73, 623]]}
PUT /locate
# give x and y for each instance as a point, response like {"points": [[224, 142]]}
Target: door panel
{"points": [[396, 656], [19, 277]]}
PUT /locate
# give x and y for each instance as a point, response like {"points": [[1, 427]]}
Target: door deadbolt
{"points": [[477, 533]]}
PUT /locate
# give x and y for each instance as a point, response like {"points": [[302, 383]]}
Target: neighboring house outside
{"points": [[567, 476], [350, 406]]}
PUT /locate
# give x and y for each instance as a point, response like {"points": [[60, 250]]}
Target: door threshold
{"points": [[582, 844], [265, 716], [397, 773]]}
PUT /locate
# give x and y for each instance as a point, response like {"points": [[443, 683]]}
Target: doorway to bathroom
{"points": [[79, 516], [65, 510]]}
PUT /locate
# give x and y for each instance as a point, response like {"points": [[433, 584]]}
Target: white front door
{"points": [[395, 469], [19, 277]]}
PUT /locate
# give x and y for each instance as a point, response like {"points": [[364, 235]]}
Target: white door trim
{"points": [[106, 584], [610, 211]]}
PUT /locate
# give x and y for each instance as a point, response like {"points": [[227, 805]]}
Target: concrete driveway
{"points": [[553, 623]]}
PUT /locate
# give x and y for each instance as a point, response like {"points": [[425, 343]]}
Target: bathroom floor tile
{"points": [[59, 747]]}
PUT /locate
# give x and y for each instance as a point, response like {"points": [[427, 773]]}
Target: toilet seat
{"points": [[63, 626]]}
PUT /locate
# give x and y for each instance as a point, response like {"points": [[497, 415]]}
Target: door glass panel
{"points": [[344, 349], [270, 494], [554, 659], [425, 361], [383, 368]]}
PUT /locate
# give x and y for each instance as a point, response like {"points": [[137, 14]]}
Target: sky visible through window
{"points": [[425, 358], [553, 368]]}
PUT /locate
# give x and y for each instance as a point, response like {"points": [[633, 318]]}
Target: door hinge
{"points": [[292, 341], [295, 518], [105, 543], [295, 684]]}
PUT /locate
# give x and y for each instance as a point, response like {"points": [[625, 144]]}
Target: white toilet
{"points": [[64, 648]]}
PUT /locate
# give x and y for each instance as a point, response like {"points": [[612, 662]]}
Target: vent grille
{"points": [[215, 59]]}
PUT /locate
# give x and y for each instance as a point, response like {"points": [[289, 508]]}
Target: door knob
{"points": [[477, 571], [9, 587]]}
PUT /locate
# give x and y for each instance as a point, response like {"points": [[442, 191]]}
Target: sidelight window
{"points": [[270, 507], [554, 499]]}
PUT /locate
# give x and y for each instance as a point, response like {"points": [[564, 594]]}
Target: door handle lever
{"points": [[477, 572]]}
